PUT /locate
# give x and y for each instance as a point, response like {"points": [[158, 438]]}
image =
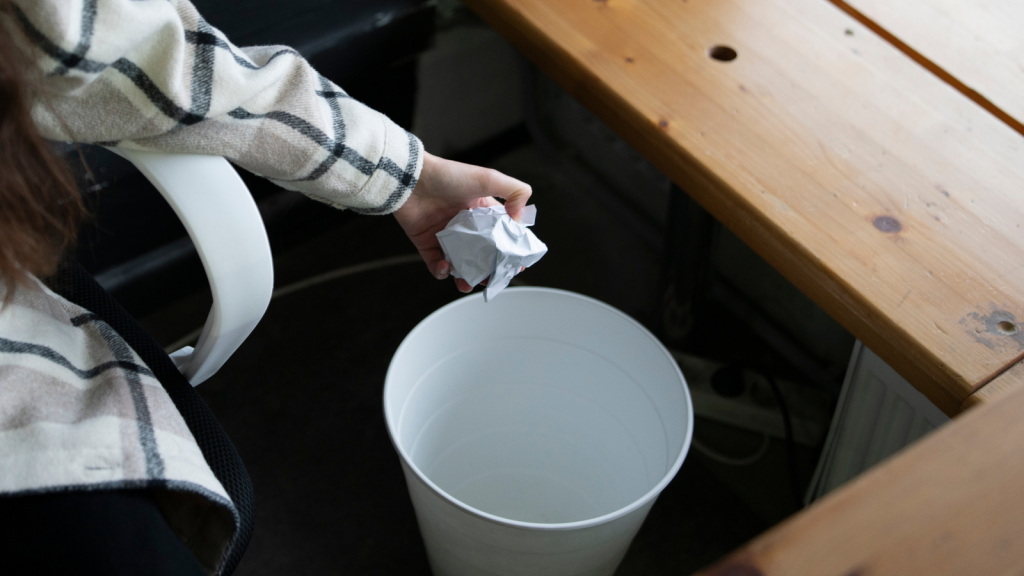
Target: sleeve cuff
{"points": [[396, 172]]}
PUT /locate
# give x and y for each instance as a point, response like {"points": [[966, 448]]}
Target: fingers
{"points": [[442, 270], [464, 286], [434, 259]]}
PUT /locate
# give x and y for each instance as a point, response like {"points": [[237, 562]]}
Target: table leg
{"points": [[686, 272]]}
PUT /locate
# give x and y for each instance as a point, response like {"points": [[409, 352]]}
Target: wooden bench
{"points": [[889, 197], [873, 152], [977, 48]]}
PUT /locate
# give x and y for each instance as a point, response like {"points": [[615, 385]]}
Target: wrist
{"points": [[426, 174]]}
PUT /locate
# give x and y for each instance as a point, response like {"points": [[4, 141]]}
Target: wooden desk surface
{"points": [[890, 198], [975, 45]]}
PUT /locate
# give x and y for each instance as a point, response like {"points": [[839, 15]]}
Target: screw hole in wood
{"points": [[722, 53]]}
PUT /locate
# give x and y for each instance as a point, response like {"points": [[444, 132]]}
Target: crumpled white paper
{"points": [[487, 243]]}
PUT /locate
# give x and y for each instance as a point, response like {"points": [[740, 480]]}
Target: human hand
{"points": [[445, 188]]}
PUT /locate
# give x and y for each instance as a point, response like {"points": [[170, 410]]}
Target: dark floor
{"points": [[302, 402], [302, 398]]}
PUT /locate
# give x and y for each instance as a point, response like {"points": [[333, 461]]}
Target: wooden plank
{"points": [[889, 198], [999, 388], [947, 506], [977, 46]]}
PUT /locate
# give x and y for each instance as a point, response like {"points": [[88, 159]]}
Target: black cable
{"points": [[728, 381], [794, 480]]}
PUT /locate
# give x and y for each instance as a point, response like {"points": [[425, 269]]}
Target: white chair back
{"points": [[226, 228]]}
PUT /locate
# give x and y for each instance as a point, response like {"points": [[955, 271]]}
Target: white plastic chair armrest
{"points": [[226, 228]]}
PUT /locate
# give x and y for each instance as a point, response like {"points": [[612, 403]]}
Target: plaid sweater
{"points": [[78, 408], [153, 75]]}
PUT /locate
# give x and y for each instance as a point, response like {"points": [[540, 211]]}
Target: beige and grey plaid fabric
{"points": [[79, 410], [153, 75]]}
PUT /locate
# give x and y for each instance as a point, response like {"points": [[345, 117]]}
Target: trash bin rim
{"points": [[539, 526]]}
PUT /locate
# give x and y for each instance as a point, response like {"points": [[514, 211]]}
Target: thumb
{"points": [[516, 194], [449, 179]]}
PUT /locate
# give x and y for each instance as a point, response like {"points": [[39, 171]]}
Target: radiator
{"points": [[877, 415]]}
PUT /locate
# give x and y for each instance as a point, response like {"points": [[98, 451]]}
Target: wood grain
{"points": [[999, 388], [950, 505], [977, 46], [888, 197]]}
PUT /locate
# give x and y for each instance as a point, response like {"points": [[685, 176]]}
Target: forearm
{"points": [[154, 75]]}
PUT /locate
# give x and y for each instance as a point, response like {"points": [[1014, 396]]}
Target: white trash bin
{"points": [[535, 432]]}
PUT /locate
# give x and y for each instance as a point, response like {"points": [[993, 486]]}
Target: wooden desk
{"points": [[890, 198], [974, 45]]}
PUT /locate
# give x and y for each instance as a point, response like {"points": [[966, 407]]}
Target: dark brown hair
{"points": [[40, 207]]}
